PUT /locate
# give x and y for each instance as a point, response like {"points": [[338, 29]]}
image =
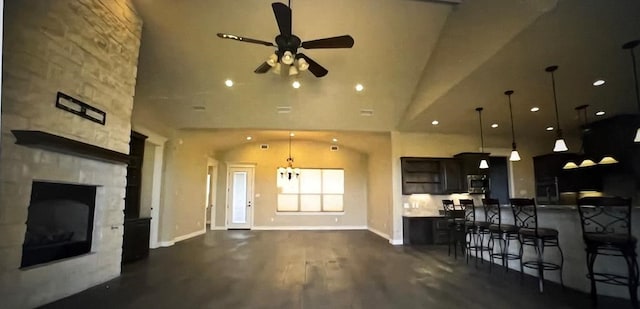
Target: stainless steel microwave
{"points": [[477, 184]]}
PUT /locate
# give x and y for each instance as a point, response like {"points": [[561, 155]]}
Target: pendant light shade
{"points": [[483, 163], [570, 165], [608, 160], [587, 163], [515, 156], [560, 145], [631, 47]]}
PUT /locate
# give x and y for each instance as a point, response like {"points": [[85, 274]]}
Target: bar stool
{"points": [[525, 216], [501, 232], [606, 230], [474, 231], [455, 226]]}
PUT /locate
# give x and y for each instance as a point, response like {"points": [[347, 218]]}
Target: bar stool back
{"points": [[498, 231], [606, 230], [455, 226], [474, 231], [525, 215]]}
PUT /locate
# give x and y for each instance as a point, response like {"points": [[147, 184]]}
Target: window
{"points": [[315, 190]]}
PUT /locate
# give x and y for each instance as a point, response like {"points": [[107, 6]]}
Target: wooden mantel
{"points": [[48, 141]]}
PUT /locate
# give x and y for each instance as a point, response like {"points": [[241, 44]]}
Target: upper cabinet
{"points": [[430, 176], [421, 175]]}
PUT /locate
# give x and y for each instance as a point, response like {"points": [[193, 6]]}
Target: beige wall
{"points": [[184, 187], [379, 195], [306, 155], [89, 50]]}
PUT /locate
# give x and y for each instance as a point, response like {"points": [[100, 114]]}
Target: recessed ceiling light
{"points": [[535, 109], [495, 125], [249, 138], [599, 82], [549, 129], [359, 87], [334, 140], [228, 83], [435, 122], [600, 113], [292, 134], [296, 84]]}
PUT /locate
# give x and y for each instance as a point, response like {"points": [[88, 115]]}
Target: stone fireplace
{"points": [[59, 222], [89, 50]]}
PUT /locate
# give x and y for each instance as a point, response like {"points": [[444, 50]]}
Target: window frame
{"points": [[321, 194]]}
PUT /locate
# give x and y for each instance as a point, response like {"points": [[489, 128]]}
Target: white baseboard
{"points": [[381, 234], [396, 242], [218, 228], [190, 235], [310, 228], [166, 243]]}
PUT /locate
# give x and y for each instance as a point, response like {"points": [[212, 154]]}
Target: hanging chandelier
{"points": [[289, 171]]}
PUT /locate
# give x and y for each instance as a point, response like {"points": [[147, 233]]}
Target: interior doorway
{"points": [[212, 176], [240, 196]]}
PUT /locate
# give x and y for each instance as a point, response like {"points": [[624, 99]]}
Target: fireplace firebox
{"points": [[59, 222]]}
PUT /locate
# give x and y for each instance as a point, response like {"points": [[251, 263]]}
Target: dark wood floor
{"points": [[316, 269]]}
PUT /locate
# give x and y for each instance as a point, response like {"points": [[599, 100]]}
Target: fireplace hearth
{"points": [[59, 222]]}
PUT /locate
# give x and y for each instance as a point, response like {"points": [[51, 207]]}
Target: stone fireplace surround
{"points": [[40, 284]]}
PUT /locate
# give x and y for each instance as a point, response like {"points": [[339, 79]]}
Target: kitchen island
{"points": [[566, 220]]}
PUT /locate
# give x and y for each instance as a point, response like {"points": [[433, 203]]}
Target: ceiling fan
{"points": [[287, 43]]}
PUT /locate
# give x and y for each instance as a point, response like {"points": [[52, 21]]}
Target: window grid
{"points": [[322, 195]]}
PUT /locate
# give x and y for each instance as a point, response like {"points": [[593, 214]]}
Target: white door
{"points": [[240, 197]]}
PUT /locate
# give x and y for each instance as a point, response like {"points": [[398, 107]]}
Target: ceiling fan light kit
{"points": [[288, 45]]}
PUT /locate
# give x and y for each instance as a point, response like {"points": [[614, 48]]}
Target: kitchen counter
{"points": [[566, 220]]}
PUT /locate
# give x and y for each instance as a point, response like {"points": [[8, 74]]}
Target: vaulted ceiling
{"points": [[419, 61]]}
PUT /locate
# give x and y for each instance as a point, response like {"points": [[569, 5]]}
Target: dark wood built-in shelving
{"points": [[51, 142]]}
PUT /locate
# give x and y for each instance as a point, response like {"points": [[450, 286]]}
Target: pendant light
{"points": [[483, 162], [560, 145], [631, 47], [515, 156]]}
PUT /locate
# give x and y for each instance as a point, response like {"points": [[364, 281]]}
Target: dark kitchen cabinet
{"points": [[551, 180], [424, 230], [470, 165], [451, 176], [421, 175]]}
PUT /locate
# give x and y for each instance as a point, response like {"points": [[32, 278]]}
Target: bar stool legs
{"points": [[540, 264]]}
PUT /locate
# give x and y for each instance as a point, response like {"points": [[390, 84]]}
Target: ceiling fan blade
{"points": [[243, 39], [263, 68], [314, 67], [283, 17], [343, 41]]}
